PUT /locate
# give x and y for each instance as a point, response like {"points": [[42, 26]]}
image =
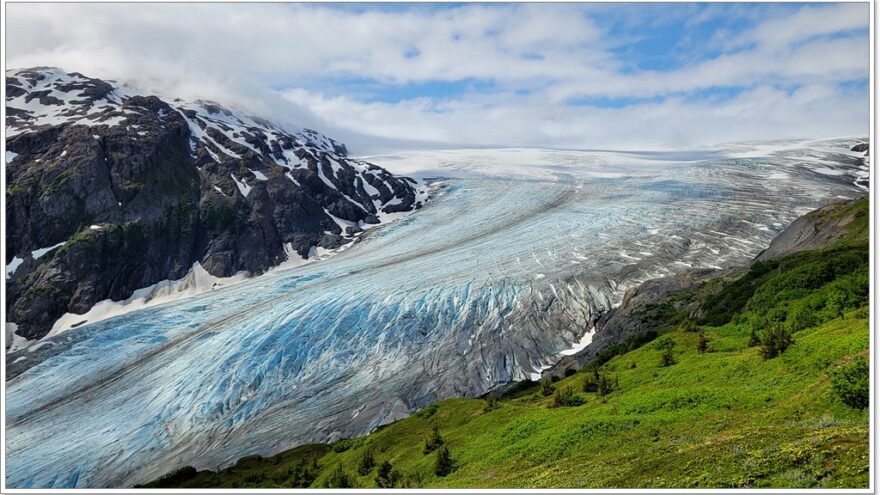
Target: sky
{"points": [[384, 77]]}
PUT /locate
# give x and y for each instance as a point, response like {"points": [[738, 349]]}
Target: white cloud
{"points": [[808, 22], [761, 113], [539, 56]]}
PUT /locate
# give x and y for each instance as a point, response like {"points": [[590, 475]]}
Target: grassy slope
{"points": [[726, 418]]}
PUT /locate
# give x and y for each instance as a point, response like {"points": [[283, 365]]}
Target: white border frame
{"points": [[873, 313]]}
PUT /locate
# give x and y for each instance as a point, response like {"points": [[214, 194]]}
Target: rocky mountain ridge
{"points": [[110, 190]]}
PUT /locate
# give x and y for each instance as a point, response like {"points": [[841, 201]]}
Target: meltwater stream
{"points": [[486, 285]]}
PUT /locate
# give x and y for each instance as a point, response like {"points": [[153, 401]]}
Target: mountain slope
{"points": [[110, 191], [724, 417]]}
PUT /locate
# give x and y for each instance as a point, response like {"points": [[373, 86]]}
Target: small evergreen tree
{"points": [[434, 440], [444, 464], [604, 386], [386, 476], [690, 325], [591, 381], [296, 474], [491, 403], [702, 343], [775, 340], [667, 357], [546, 387], [600, 382], [367, 462], [339, 478]]}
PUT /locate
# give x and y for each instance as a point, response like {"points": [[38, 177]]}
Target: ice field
{"points": [[489, 283]]}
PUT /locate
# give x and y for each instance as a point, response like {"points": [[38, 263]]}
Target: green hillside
{"points": [[768, 388]]}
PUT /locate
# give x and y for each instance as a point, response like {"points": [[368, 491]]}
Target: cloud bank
{"points": [[553, 75]]}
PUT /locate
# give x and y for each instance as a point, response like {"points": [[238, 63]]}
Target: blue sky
{"points": [[555, 75], [644, 37]]}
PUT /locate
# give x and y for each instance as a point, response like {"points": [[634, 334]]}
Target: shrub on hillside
{"points": [[663, 344], [600, 382], [775, 340], [702, 343], [444, 465], [386, 476], [415, 478], [591, 382], [342, 445], [547, 387], [339, 479], [434, 440], [303, 475], [565, 397], [667, 357], [754, 338], [850, 384], [428, 411], [367, 462]]}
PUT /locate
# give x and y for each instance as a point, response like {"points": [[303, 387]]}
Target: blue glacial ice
{"points": [[486, 285]]}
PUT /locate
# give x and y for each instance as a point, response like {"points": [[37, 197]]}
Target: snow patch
{"points": [[536, 375], [196, 281], [42, 251], [13, 265], [582, 344], [243, 188], [14, 341]]}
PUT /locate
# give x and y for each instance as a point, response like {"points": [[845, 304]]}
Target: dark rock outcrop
{"points": [[130, 190], [861, 147], [815, 230]]}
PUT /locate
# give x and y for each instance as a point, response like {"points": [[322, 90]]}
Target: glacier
{"points": [[492, 281]]}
